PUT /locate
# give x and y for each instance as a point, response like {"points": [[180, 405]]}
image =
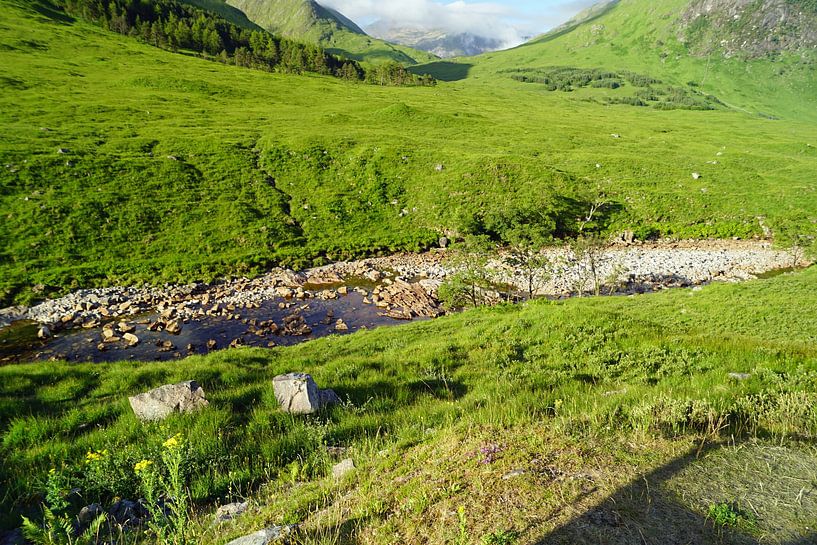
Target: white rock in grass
{"points": [[275, 534], [297, 393], [342, 469], [161, 402]]}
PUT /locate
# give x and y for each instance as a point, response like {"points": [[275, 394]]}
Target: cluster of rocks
{"points": [[125, 513], [402, 286], [635, 269], [90, 308], [178, 305], [402, 300]]}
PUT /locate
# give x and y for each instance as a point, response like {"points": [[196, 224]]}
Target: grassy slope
{"points": [[643, 37], [230, 13], [583, 395], [303, 20], [172, 160]]}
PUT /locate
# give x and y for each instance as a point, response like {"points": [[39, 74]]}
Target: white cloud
{"points": [[485, 19]]}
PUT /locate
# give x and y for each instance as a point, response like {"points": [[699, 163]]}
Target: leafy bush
{"points": [[650, 92]]}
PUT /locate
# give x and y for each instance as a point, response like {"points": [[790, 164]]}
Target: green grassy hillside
{"points": [[665, 40], [617, 415], [688, 416], [309, 21], [230, 13], [123, 163]]}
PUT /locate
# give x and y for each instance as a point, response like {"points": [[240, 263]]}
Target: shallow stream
{"points": [[19, 342]]}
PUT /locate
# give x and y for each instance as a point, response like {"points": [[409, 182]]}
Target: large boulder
{"points": [[275, 534], [161, 402], [298, 394]]}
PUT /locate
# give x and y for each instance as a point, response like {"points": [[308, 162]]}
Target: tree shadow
{"points": [[645, 512], [47, 10], [568, 212], [443, 70]]}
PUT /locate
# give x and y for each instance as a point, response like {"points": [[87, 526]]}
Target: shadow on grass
{"points": [[646, 512], [344, 533], [48, 10], [443, 70], [437, 388]]}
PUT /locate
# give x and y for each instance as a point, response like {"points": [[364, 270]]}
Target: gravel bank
{"points": [[624, 269]]}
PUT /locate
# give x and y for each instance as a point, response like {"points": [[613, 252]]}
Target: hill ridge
{"points": [[309, 21], [758, 55]]}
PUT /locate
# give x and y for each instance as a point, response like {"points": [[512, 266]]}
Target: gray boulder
{"points": [[275, 534], [297, 393], [161, 402], [89, 513]]}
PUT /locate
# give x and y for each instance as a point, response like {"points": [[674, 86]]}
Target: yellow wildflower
{"points": [[142, 466], [52, 471], [92, 456], [173, 442]]}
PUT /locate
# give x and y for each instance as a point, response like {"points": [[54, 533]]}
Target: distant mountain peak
{"points": [[440, 42], [336, 16]]}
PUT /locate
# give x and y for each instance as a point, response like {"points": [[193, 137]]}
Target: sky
{"points": [[509, 21]]}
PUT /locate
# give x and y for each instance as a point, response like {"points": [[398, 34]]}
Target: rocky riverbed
{"points": [[285, 306]]}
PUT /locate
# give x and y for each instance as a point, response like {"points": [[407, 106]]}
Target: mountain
{"points": [[309, 21], [295, 18], [758, 56], [438, 42]]}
